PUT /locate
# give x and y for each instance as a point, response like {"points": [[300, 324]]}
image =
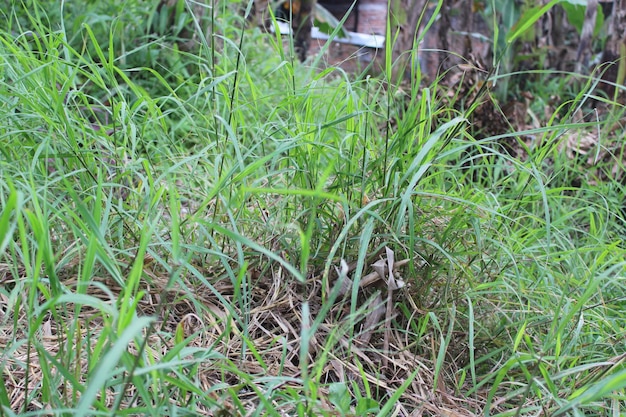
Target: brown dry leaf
{"points": [[580, 143], [373, 319]]}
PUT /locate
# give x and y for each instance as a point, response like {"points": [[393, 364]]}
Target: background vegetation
{"points": [[228, 231]]}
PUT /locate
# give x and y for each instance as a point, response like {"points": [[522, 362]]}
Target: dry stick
{"points": [[387, 325]]}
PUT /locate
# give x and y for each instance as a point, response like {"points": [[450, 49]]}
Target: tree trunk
{"points": [[615, 48], [404, 20], [451, 42], [301, 25]]}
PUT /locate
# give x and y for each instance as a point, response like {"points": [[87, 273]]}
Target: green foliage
{"points": [[528, 19], [160, 207], [327, 23], [576, 15]]}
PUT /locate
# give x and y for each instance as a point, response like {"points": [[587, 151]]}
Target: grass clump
{"points": [[229, 232]]}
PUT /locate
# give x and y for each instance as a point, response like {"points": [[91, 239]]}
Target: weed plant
{"points": [[195, 233]]}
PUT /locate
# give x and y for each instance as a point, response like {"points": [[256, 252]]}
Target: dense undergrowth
{"points": [[230, 232]]}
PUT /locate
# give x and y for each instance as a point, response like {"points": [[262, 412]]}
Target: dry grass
{"points": [[368, 348]]}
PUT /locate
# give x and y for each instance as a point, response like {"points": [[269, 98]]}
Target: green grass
{"points": [[197, 233]]}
